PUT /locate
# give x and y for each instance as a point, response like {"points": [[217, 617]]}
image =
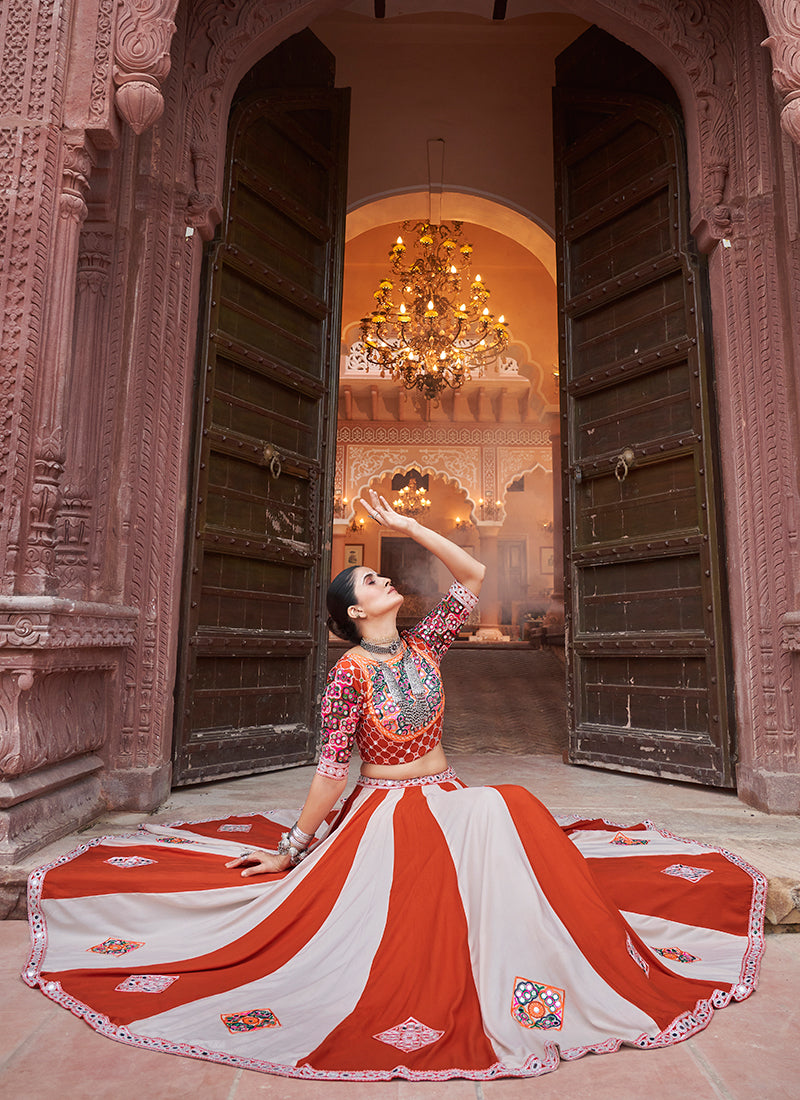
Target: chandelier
{"points": [[431, 325], [410, 501]]}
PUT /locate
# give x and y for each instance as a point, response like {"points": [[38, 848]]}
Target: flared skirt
{"points": [[436, 931]]}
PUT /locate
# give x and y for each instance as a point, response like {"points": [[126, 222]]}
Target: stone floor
{"points": [[748, 1053]]}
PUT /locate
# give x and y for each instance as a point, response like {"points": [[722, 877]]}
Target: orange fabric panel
{"points": [[422, 967]]}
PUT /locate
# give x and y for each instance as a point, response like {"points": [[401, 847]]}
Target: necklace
{"points": [[417, 710], [386, 646]]}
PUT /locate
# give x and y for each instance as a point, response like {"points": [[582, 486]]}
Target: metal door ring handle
{"points": [[624, 463], [271, 455]]}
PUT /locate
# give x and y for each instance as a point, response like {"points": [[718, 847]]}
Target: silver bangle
{"points": [[299, 838], [286, 848]]}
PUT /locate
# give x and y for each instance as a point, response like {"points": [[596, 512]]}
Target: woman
{"points": [[426, 930]]}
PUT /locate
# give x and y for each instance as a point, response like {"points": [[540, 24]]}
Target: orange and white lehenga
{"points": [[435, 930]]}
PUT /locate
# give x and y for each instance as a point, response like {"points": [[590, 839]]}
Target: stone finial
{"points": [[141, 59]]}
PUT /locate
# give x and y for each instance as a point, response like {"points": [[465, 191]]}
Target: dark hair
{"points": [[341, 595]]}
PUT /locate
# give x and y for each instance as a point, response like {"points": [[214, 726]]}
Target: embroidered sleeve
{"points": [[440, 627], [341, 710]]}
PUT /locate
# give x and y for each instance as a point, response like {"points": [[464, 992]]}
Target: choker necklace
{"points": [[382, 648]]}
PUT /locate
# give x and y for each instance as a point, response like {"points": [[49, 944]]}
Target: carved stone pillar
{"points": [[83, 411], [36, 550], [783, 21]]}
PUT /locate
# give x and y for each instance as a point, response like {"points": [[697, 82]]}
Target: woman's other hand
{"points": [[379, 509], [261, 863]]}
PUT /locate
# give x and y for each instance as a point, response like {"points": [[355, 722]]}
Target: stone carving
{"points": [[28, 169], [216, 37], [700, 34], [783, 21], [37, 572], [71, 626], [461, 464], [50, 715], [419, 434], [141, 59], [48, 465], [101, 70], [514, 462], [83, 410], [791, 631]]}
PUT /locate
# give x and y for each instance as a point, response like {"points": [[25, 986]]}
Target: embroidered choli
{"points": [[392, 712]]}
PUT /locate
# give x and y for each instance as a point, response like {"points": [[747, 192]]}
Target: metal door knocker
{"points": [[272, 458], [624, 463]]}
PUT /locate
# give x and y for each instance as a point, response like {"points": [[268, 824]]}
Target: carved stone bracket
{"points": [[141, 59], [783, 22], [791, 631]]}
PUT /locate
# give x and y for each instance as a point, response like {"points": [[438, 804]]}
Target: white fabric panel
{"points": [[718, 954], [594, 844], [337, 960], [496, 880]]}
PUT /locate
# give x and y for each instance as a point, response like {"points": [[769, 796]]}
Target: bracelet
{"points": [[298, 838], [286, 848]]}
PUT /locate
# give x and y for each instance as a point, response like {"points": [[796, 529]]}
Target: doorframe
{"points": [[739, 192]]}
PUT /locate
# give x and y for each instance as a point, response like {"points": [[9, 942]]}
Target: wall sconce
{"points": [[546, 524], [355, 526], [339, 506], [463, 524], [490, 511]]}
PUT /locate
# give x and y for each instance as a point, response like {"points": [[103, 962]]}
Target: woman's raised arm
{"points": [[465, 569]]}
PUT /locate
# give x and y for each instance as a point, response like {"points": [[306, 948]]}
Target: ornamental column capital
{"points": [[783, 23]]}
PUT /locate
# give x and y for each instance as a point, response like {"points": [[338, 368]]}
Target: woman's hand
{"points": [[261, 863], [382, 512]]}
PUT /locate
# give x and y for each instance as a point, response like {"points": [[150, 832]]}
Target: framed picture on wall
{"points": [[354, 554], [546, 559]]}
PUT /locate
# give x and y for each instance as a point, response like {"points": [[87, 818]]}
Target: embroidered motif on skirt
{"points": [[129, 861], [146, 983], [620, 838], [116, 947], [250, 1021], [535, 1004], [410, 1035], [691, 874], [234, 828], [637, 958], [174, 840], [676, 955]]}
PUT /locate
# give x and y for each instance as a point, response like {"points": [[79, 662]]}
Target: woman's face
{"points": [[375, 594]]}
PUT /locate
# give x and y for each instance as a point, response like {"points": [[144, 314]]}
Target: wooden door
{"points": [[253, 638], [648, 666]]}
